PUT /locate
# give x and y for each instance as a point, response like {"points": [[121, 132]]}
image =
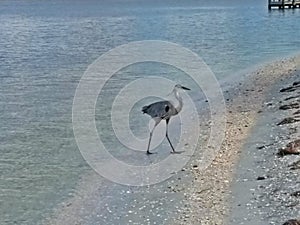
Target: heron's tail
{"points": [[145, 109]]}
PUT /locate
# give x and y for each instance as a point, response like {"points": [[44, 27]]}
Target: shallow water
{"points": [[45, 47]]}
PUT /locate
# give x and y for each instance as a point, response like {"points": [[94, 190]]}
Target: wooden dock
{"points": [[282, 4]]}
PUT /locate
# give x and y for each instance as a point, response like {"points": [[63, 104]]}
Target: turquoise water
{"points": [[45, 47]]}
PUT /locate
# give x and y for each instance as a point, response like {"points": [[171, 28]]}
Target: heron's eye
{"points": [[167, 108]]}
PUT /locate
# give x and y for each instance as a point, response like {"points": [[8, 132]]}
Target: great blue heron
{"points": [[164, 110]]}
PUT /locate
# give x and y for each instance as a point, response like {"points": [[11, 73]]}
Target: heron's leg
{"points": [[167, 123], [157, 121]]}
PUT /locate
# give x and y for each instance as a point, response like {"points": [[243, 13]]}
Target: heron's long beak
{"points": [[185, 88]]}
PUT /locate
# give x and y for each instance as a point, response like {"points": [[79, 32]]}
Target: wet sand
{"points": [[192, 196], [266, 188]]}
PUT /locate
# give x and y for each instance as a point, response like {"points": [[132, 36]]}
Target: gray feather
{"points": [[160, 109]]}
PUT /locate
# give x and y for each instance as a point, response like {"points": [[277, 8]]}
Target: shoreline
{"points": [[266, 187], [193, 196], [211, 189]]}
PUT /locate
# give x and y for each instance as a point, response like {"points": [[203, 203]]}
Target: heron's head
{"points": [[178, 87]]}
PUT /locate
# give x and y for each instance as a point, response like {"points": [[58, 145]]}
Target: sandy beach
{"points": [[214, 193], [237, 188]]}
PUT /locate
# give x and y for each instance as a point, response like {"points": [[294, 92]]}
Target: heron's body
{"points": [[164, 110]]}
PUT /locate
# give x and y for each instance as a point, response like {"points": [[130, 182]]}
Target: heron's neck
{"points": [[179, 106]]}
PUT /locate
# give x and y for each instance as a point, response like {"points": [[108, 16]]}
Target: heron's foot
{"points": [[176, 152], [150, 153]]}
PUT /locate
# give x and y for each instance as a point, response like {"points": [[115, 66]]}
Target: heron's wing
{"points": [[158, 109]]}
